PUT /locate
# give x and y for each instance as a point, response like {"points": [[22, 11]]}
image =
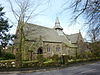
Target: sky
{"points": [[48, 16]]}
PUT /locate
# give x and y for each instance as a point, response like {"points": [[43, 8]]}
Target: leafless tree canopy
{"points": [[23, 10], [95, 36], [26, 9], [91, 10]]}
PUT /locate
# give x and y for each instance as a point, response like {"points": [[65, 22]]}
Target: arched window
{"points": [[48, 48], [57, 48]]}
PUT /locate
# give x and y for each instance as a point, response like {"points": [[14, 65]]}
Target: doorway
{"points": [[40, 51]]}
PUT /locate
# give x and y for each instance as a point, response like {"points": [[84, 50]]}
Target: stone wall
{"points": [[30, 49], [7, 63], [68, 50], [51, 48]]}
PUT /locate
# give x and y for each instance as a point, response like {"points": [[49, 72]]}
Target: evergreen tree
{"points": [[4, 28]]}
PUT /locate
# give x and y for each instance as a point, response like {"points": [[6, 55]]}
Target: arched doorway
{"points": [[40, 51]]}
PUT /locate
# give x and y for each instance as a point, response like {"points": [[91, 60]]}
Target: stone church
{"points": [[49, 41]]}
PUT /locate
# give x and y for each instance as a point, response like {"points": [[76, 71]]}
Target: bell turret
{"points": [[57, 25]]}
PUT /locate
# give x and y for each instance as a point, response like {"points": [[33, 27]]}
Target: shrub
{"points": [[88, 54], [48, 63], [55, 58], [2, 58], [7, 55], [40, 59]]}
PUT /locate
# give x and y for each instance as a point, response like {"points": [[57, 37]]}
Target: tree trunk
{"points": [[19, 51]]}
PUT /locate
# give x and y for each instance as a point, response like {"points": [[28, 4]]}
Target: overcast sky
{"points": [[47, 17]]}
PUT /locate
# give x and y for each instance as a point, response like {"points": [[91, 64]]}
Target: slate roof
{"points": [[33, 32], [73, 37]]}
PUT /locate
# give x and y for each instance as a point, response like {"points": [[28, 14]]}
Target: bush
{"points": [[48, 63], [40, 59], [2, 58], [55, 58], [6, 56], [88, 54]]}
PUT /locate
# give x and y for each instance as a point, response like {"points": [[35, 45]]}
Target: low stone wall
{"points": [[7, 63]]}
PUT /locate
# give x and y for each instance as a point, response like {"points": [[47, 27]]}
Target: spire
{"points": [[79, 32], [57, 24], [57, 21]]}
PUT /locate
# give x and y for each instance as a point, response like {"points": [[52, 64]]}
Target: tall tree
{"points": [[91, 11], [4, 28], [26, 9]]}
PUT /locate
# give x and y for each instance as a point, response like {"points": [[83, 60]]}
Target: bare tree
{"points": [[90, 9], [94, 35], [23, 10]]}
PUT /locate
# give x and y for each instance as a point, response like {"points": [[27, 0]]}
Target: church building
{"points": [[49, 41]]}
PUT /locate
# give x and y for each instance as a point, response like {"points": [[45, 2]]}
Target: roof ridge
{"points": [[39, 25]]}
